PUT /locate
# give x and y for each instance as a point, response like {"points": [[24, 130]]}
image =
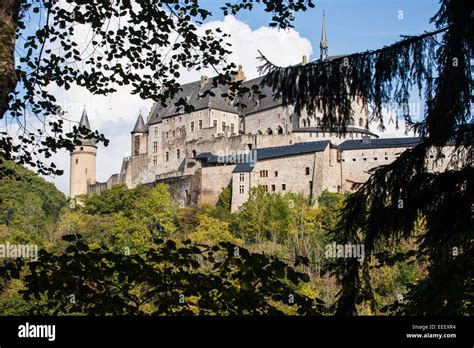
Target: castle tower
{"points": [[139, 137], [324, 41], [83, 162]]}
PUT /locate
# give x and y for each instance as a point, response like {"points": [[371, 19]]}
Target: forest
{"points": [[287, 230]]}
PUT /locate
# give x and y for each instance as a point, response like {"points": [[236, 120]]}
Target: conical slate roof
{"points": [[84, 122], [139, 125]]}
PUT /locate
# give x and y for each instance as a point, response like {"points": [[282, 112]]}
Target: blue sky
{"points": [[352, 25]]}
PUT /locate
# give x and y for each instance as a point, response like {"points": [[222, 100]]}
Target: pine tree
{"points": [[437, 64]]}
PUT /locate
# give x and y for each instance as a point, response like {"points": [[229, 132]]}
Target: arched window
{"points": [[279, 130], [318, 122], [307, 170], [259, 132], [194, 153], [309, 122], [361, 122], [269, 131], [77, 161], [304, 122], [351, 121]]}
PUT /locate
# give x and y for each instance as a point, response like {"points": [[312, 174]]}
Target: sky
{"points": [[352, 26]]}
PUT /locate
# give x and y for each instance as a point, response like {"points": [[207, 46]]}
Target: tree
{"points": [[141, 44], [169, 278], [437, 64]]}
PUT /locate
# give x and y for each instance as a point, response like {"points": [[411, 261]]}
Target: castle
{"points": [[220, 145]]}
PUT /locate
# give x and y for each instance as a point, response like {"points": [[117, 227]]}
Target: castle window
{"points": [[307, 170], [86, 170], [177, 153], [386, 158], [192, 126], [155, 132], [273, 188], [375, 158], [167, 135], [82, 148], [354, 159], [276, 174], [304, 123], [167, 156], [155, 146], [155, 160], [241, 189], [242, 177], [200, 124], [269, 131], [77, 161], [280, 130], [318, 121], [174, 134], [137, 145], [283, 187], [351, 121], [232, 128], [223, 126], [214, 123], [361, 122], [194, 153]]}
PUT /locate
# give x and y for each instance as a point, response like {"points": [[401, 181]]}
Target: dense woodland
{"points": [[288, 228]]}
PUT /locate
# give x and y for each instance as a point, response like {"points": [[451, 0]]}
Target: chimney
{"points": [[204, 80], [304, 61], [240, 74], [365, 139]]}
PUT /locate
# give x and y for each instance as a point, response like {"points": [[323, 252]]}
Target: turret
{"points": [[82, 162], [139, 137]]}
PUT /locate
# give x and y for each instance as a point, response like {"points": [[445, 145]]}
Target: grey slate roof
{"points": [[192, 91], [84, 122], [269, 153], [378, 143], [139, 125], [320, 130], [243, 168]]}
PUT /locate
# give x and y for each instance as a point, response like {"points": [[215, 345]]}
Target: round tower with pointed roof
{"points": [[139, 137], [83, 163]]}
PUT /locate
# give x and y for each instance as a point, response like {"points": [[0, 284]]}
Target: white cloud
{"points": [[115, 115]]}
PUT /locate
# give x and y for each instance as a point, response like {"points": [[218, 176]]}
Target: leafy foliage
{"points": [[140, 44], [167, 277]]}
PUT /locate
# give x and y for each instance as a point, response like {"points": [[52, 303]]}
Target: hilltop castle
{"points": [[220, 145]]}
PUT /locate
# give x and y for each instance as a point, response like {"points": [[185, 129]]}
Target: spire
{"points": [[139, 125], [324, 41], [84, 120]]}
